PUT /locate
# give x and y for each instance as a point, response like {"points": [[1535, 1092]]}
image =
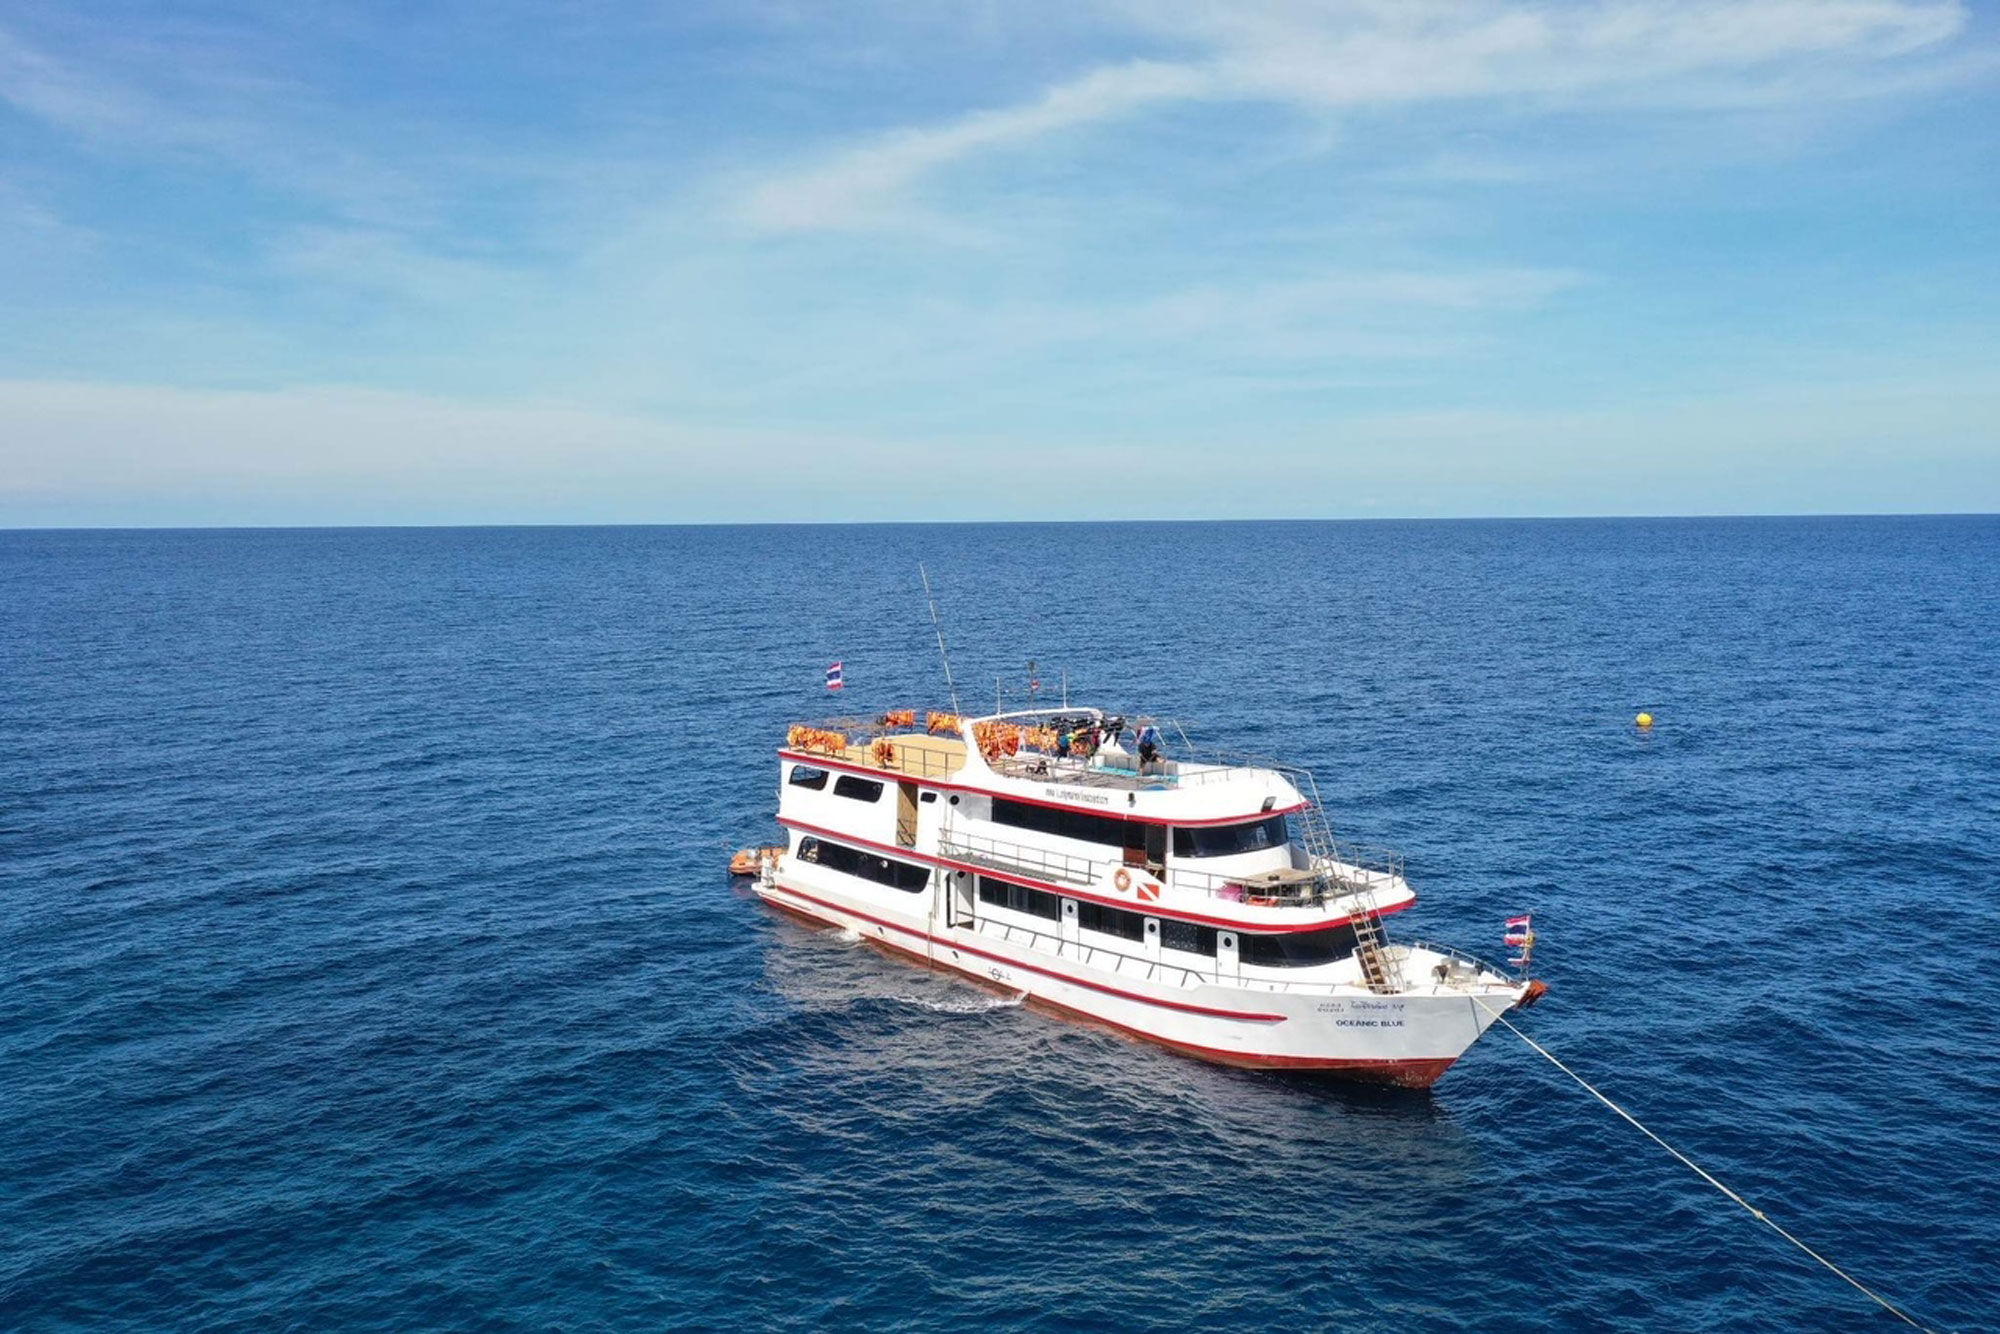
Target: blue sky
{"points": [[599, 262]]}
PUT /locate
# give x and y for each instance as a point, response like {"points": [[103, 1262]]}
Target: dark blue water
{"points": [[368, 959]]}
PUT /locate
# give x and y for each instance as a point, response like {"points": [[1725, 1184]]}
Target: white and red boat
{"points": [[1195, 900]]}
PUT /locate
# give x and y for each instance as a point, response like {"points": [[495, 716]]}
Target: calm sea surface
{"points": [[366, 957]]}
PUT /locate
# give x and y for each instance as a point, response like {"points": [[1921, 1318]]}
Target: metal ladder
{"points": [[1382, 972]]}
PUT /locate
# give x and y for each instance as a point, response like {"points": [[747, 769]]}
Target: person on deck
{"points": [[1063, 741], [1149, 747]]}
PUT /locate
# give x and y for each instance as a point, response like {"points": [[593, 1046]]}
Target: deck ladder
{"points": [[1379, 968]]}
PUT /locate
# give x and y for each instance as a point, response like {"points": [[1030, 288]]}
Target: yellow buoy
{"points": [[1644, 720]]}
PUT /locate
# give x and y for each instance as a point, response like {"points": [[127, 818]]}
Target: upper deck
{"points": [[1048, 754]]}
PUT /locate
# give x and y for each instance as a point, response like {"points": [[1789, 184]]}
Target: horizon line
{"points": [[987, 523]]}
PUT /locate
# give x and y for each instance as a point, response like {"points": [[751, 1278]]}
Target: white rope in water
{"points": [[1704, 1174]]}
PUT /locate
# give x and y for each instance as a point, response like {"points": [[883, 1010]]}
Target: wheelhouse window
{"points": [[1296, 949], [1227, 840], [1060, 821], [805, 775], [1034, 902], [861, 789], [865, 865]]}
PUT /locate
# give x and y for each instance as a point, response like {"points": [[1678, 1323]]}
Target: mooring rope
{"points": [[1704, 1174]]}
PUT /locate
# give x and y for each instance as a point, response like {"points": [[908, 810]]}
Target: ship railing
{"points": [[916, 761], [1105, 769], [920, 762], [1101, 957], [862, 741], [1035, 863], [1180, 765], [1138, 966], [1358, 873], [861, 728], [1351, 872], [1462, 969]]}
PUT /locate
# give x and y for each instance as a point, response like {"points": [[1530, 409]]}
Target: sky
{"points": [[598, 262]]}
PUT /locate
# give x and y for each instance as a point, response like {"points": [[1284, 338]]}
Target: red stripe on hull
{"points": [[1400, 1074]]}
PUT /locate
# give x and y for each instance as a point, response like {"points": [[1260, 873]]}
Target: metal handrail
{"points": [[1001, 855], [1481, 968], [1334, 883], [1085, 953], [929, 762]]}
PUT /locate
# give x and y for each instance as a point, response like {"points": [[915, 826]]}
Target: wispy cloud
{"points": [[197, 107], [855, 188], [1334, 56]]}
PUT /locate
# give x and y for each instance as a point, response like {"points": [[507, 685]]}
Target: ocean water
{"points": [[369, 961]]}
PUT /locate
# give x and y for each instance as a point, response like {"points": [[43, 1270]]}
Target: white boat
{"points": [[1198, 901]]}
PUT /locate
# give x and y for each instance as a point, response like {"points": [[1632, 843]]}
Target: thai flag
{"points": [[1520, 931], [833, 681]]}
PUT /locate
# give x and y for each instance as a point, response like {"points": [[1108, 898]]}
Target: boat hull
{"points": [[1405, 1040]]}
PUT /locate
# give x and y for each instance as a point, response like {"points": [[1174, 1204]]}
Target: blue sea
{"points": [[369, 960]]}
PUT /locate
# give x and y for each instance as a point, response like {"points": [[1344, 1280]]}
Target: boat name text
{"points": [[1083, 798]]}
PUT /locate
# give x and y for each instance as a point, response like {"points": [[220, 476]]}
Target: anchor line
{"points": [[1706, 1175]]}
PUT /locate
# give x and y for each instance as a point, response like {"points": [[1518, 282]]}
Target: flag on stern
{"points": [[1520, 931], [833, 681]]}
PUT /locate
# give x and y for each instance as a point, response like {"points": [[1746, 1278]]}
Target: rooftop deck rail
{"points": [[895, 747]]}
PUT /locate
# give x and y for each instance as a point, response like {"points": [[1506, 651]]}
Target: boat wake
{"points": [[964, 1004]]}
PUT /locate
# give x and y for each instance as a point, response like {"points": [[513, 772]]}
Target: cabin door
{"points": [[906, 815], [958, 898]]}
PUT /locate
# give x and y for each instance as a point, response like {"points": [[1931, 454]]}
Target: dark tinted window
{"points": [[804, 775], [1296, 949], [861, 789], [1020, 898], [1111, 921], [866, 865], [1187, 936], [1230, 839], [1062, 822]]}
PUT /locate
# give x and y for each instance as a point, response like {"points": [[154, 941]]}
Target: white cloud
{"points": [[1351, 55], [852, 189]]}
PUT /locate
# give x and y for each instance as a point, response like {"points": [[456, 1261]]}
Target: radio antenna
{"points": [[938, 626]]}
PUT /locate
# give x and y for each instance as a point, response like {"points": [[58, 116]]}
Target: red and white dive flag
{"points": [[833, 681], [1520, 931]]}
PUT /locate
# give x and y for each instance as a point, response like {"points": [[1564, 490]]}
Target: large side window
{"points": [[865, 865], [1020, 898], [1176, 935], [1063, 822], [861, 789], [1296, 949], [804, 775], [1229, 839], [1111, 921]]}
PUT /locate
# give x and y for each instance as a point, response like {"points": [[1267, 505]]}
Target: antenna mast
{"points": [[937, 625]]}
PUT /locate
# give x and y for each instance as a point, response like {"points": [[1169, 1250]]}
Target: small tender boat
{"points": [[1197, 900], [752, 861]]}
